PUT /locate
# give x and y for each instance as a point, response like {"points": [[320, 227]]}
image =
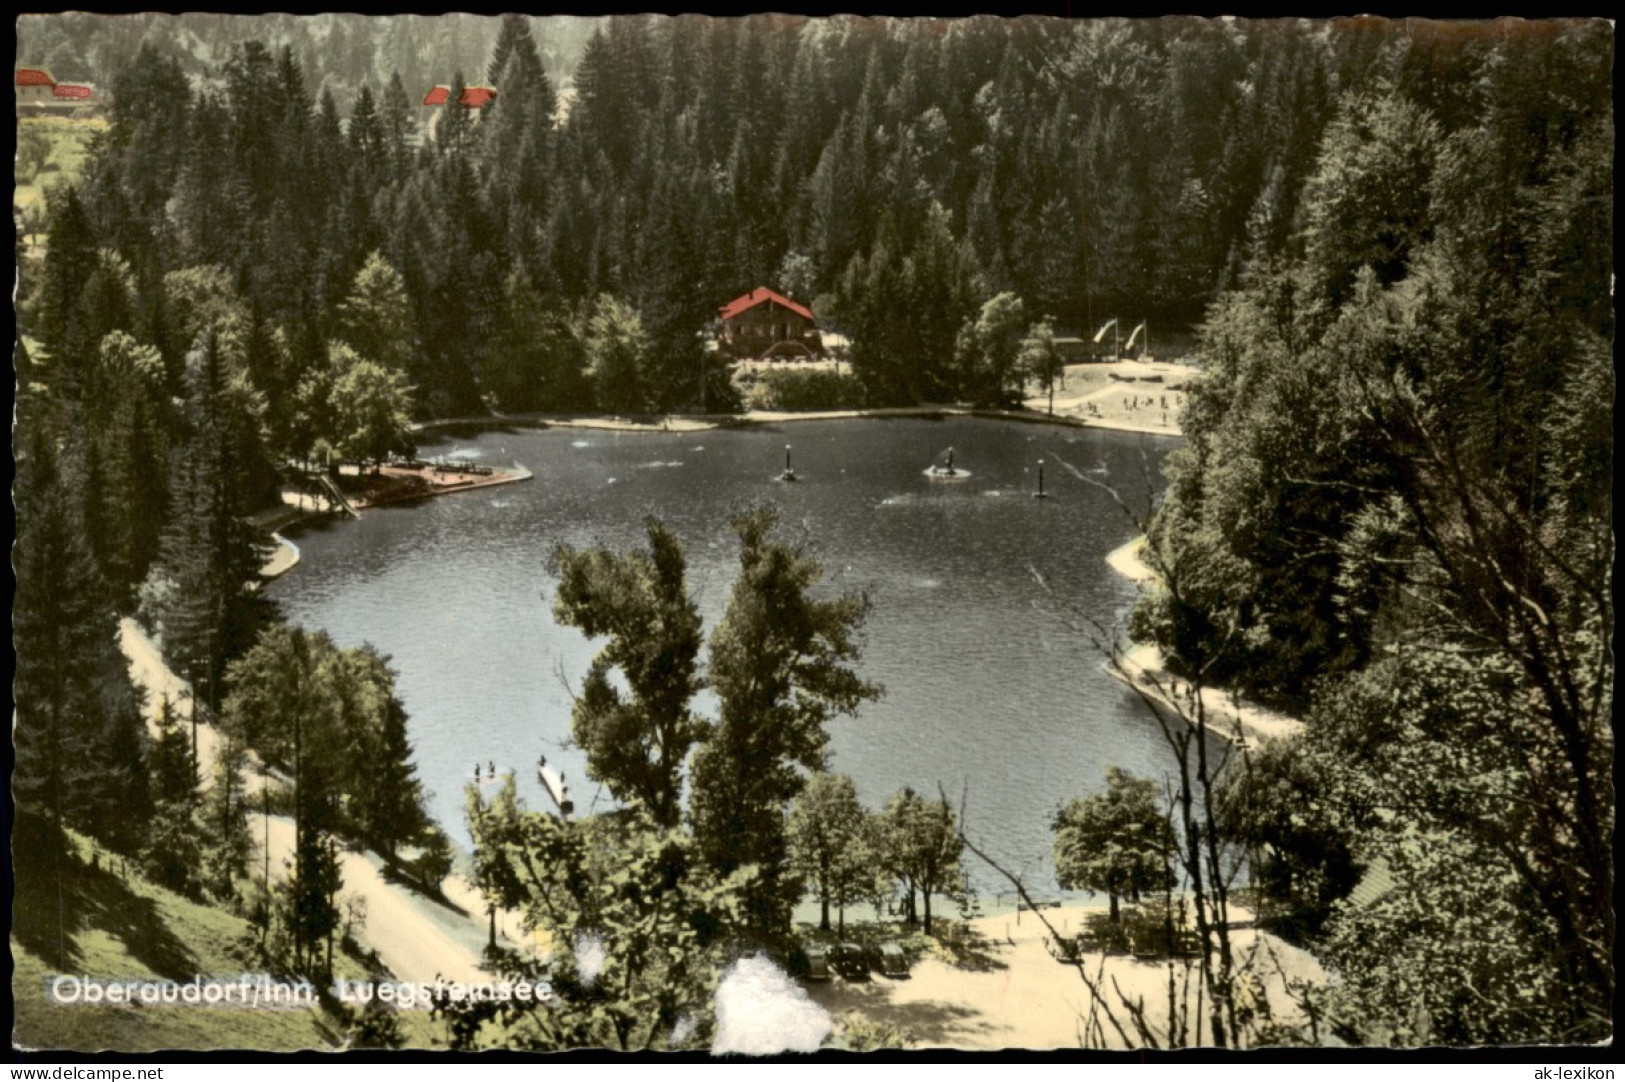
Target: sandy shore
{"points": [[1002, 988], [282, 560], [1125, 396], [1145, 667], [1072, 416]]}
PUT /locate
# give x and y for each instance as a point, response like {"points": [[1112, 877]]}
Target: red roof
{"points": [[474, 97], [34, 77], [70, 90], [757, 296]]}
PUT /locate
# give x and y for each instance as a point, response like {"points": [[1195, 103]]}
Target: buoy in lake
{"points": [[1041, 494], [788, 474], [948, 472]]}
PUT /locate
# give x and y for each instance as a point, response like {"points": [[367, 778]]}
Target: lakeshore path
{"points": [[1144, 666], [418, 937], [154, 679], [1035, 414], [1001, 988], [412, 944]]}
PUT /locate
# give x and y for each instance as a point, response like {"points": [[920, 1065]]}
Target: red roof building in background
{"points": [[766, 324], [37, 92], [474, 97], [761, 295], [34, 86]]}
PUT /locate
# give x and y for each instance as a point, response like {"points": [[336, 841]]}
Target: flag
{"points": [[1104, 327], [1135, 333]]}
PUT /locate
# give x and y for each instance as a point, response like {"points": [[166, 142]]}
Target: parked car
{"points": [[850, 962], [817, 963], [893, 962]]}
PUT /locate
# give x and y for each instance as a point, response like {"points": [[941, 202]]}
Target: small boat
{"points": [[553, 781]]}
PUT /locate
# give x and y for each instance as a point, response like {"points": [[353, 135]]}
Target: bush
{"points": [[860, 1034], [791, 390]]}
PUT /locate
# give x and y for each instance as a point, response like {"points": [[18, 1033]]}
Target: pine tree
{"points": [[195, 594], [395, 120], [123, 509], [221, 823], [384, 795], [173, 855], [376, 317], [77, 730], [70, 260], [517, 129], [454, 122]]}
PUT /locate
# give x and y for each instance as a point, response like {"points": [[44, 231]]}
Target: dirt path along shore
{"points": [[418, 938]]}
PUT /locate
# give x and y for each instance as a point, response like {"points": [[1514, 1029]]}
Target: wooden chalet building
{"points": [[34, 85], [38, 92], [766, 325]]}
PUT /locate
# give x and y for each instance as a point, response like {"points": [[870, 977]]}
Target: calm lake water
{"points": [[989, 693]]}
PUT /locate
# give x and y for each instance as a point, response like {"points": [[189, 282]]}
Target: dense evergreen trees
{"points": [[79, 739], [1393, 513], [901, 173], [1385, 517]]}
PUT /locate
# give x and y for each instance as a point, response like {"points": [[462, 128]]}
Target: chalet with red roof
{"points": [[768, 325], [474, 97], [34, 85], [37, 92]]}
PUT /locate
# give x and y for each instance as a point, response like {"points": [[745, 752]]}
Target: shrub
{"points": [[792, 390]]}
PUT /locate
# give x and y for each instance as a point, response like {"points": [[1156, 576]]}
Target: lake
{"points": [[981, 599]]}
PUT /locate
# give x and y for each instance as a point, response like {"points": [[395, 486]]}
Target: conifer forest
{"points": [[258, 261]]}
